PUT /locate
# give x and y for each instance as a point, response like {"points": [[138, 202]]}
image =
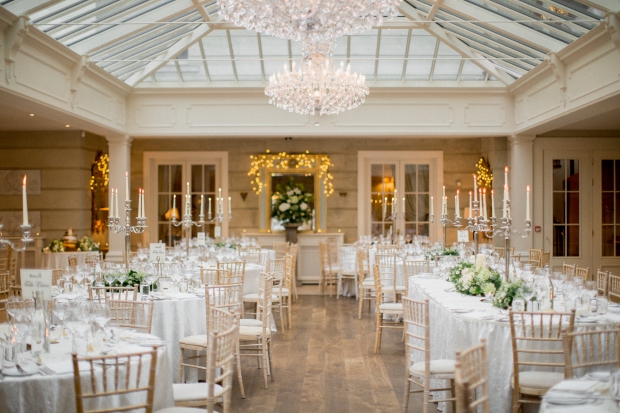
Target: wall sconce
{"points": [[458, 183], [343, 194], [243, 195]]}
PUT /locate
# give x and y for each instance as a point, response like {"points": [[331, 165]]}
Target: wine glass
{"points": [[109, 277], [14, 306], [591, 290], [28, 306], [121, 277], [527, 292], [100, 313]]}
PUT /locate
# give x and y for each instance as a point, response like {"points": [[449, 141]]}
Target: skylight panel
{"points": [[275, 52], [471, 72], [245, 47], [191, 65], [167, 73], [391, 53]]}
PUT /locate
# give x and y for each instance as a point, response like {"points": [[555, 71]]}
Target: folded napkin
{"points": [[579, 386]]}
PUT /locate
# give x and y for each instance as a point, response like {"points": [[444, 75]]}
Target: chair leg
{"points": [[516, 406], [240, 378], [266, 369], [453, 395], [379, 321], [427, 395], [181, 366], [269, 359], [281, 317], [290, 322], [360, 305], [407, 392]]}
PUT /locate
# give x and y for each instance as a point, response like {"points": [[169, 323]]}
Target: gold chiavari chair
{"points": [[471, 378], [329, 270], [348, 266], [293, 249], [124, 374], [250, 254], [387, 249], [72, 261], [535, 258], [365, 279], [283, 291], [219, 367], [613, 292], [237, 271], [537, 344], [254, 338], [387, 271], [113, 293], [418, 340], [56, 275], [277, 269], [568, 269], [583, 273], [215, 276], [132, 314], [393, 309], [591, 350], [280, 249], [602, 282], [544, 259], [414, 267]]}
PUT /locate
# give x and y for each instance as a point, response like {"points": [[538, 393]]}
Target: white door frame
{"points": [[151, 160], [365, 158], [598, 261]]}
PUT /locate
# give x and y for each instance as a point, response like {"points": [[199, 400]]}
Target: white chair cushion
{"points": [[253, 297], [181, 410], [391, 307], [539, 379], [368, 282], [185, 392], [437, 367], [197, 340], [252, 331], [250, 322], [276, 290]]}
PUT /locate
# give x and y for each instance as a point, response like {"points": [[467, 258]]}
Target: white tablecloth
{"points": [[451, 332], [59, 260], [592, 397], [55, 393]]}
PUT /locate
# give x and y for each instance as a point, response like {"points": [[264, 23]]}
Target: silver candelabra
{"points": [[114, 224], [25, 238], [445, 221], [187, 224], [394, 216], [477, 223]]}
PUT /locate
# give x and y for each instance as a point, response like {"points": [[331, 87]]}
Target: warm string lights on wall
{"points": [[285, 160], [101, 170], [485, 177]]}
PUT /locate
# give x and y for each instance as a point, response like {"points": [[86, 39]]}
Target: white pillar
{"points": [[521, 175], [119, 151]]}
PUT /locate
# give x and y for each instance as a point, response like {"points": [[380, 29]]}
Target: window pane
{"points": [[607, 175], [410, 208], [572, 241], [423, 207], [376, 178], [196, 178], [163, 233], [410, 178], [376, 208], [388, 178], [410, 230], [558, 240], [176, 175], [163, 206], [376, 229], [558, 208], [617, 175], [608, 241], [559, 174], [607, 208], [615, 241], [209, 179], [423, 229], [423, 171], [573, 208], [573, 175], [163, 178]]}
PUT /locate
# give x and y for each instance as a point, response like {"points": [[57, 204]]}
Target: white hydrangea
{"points": [[303, 206], [284, 206]]}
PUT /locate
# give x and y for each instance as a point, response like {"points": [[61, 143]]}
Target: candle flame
{"points": [[24, 182], [528, 188], [492, 191], [484, 191], [506, 169], [458, 191], [470, 193], [126, 173]]}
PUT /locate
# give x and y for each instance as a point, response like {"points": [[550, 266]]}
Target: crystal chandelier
{"points": [[319, 20], [317, 86]]}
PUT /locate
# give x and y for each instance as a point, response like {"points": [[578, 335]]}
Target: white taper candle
{"points": [[24, 202]]}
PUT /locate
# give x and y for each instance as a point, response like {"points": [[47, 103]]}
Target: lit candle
{"points": [[209, 207], [403, 205], [126, 186], [143, 204], [475, 188], [116, 202], [484, 203], [432, 212], [506, 176], [174, 206], [24, 202], [385, 207], [492, 203], [527, 204], [445, 205], [504, 203], [456, 203], [229, 206], [202, 205], [139, 202], [219, 202], [395, 202], [393, 206], [443, 192], [111, 203], [470, 208]]}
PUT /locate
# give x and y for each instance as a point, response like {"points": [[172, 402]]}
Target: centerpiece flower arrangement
{"points": [[471, 280], [292, 203], [448, 251], [87, 244], [55, 246], [506, 293]]}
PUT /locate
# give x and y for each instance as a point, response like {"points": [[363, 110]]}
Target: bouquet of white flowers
{"points": [[87, 244], [55, 246], [292, 203]]}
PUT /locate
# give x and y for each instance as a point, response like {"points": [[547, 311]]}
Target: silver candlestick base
{"points": [[114, 225], [25, 238]]}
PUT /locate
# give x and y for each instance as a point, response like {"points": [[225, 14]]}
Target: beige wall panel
{"points": [[41, 76], [603, 62], [64, 179], [41, 159]]}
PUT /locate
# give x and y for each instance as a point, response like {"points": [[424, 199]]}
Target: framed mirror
{"points": [[308, 178]]}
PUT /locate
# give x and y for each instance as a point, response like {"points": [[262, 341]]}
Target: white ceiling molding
{"points": [[23, 7]]}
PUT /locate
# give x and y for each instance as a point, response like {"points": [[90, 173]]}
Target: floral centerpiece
{"points": [[87, 244], [471, 280], [292, 203], [55, 246], [506, 293], [448, 251]]}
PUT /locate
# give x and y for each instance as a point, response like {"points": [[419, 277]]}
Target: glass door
{"points": [[606, 212]]}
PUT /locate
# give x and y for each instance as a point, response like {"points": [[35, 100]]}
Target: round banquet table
{"points": [[55, 393], [59, 260], [579, 395], [451, 332]]}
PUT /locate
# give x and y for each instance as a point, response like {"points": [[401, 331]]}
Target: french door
{"points": [[606, 216], [166, 177], [394, 191]]}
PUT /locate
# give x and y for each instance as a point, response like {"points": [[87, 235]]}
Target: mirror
{"points": [[303, 183]]}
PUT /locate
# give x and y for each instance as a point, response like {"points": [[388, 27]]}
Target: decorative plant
{"points": [[55, 246], [448, 251], [292, 203], [87, 244], [471, 280], [506, 293]]}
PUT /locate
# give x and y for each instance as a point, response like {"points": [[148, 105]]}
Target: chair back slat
{"points": [[602, 282], [215, 276], [569, 269], [237, 271], [113, 293], [591, 350], [471, 379], [417, 330], [132, 314]]}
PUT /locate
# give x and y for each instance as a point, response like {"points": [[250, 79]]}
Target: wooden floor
{"points": [[326, 363]]}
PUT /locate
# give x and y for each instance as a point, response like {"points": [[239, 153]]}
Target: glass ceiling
{"points": [[151, 43]]}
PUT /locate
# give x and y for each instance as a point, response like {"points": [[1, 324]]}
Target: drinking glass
{"points": [[28, 305], [122, 276], [101, 314], [601, 305], [14, 306]]}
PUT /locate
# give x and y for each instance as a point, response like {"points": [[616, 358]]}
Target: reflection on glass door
{"points": [[610, 207], [382, 184], [169, 183], [566, 214], [416, 200]]}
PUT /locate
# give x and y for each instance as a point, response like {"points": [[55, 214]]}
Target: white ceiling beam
{"points": [[171, 53], [515, 30], [201, 10], [160, 14], [612, 6], [24, 7], [455, 44]]}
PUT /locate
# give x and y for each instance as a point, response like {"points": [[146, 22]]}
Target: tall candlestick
{"points": [[174, 206], [456, 203], [445, 205], [111, 203], [527, 204], [393, 206], [116, 202], [431, 207], [385, 207], [506, 176], [484, 203], [202, 205], [492, 203], [403, 205], [209, 207], [139, 202], [24, 202], [443, 192], [504, 203], [229, 206], [475, 187], [126, 186], [143, 204], [470, 207]]}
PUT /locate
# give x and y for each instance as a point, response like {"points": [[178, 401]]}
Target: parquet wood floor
{"points": [[326, 363]]}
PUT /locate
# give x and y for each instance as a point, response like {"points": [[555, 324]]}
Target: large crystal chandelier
{"points": [[317, 86], [319, 20]]}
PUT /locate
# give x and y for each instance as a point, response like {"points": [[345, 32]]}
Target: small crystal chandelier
{"points": [[320, 20], [317, 86]]}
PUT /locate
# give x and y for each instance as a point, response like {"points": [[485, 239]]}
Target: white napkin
{"points": [[579, 386]]}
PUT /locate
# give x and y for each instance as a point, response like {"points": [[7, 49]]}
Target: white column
{"points": [[521, 175], [119, 151]]}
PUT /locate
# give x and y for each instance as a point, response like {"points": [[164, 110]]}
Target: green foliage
{"points": [[506, 293], [292, 203]]}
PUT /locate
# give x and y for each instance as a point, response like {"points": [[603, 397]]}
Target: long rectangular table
{"points": [[451, 332]]}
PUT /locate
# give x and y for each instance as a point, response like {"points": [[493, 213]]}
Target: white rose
{"points": [[284, 206], [303, 206], [294, 199], [297, 191], [289, 193]]}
